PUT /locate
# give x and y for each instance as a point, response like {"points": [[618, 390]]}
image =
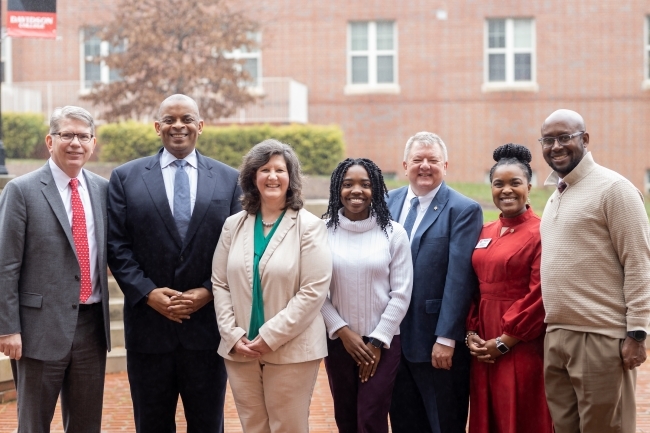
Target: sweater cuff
{"points": [[333, 328]]}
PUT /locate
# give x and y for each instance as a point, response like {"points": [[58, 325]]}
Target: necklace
{"points": [[269, 224]]}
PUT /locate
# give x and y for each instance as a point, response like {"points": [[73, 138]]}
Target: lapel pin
{"points": [[435, 208]]}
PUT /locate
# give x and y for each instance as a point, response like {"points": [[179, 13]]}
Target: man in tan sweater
{"points": [[595, 285]]}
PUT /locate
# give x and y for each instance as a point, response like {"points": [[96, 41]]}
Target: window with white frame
{"points": [[93, 68], [372, 54], [510, 51], [250, 59]]}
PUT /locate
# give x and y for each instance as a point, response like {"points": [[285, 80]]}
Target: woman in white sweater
{"points": [[370, 293]]}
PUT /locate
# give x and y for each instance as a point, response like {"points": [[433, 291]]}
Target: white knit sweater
{"points": [[372, 279]]}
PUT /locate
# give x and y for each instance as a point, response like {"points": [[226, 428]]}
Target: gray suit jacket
{"points": [[39, 270]]}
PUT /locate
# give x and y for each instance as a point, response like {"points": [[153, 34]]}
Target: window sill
{"points": [[528, 86], [645, 85], [374, 89]]}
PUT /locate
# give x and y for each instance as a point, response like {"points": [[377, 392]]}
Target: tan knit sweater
{"points": [[595, 253]]}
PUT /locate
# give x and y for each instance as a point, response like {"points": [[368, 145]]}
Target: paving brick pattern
{"points": [[118, 414]]}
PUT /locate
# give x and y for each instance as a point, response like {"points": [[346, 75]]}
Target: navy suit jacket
{"points": [[443, 278], [145, 250]]}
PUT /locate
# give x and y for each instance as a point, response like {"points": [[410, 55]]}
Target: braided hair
{"points": [[378, 207], [516, 154]]}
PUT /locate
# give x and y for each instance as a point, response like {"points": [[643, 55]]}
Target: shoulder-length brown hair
{"points": [[259, 155]]}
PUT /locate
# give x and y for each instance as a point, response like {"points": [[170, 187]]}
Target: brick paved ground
{"points": [[118, 415]]}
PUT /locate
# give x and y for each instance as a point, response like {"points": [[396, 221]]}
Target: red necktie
{"points": [[80, 236]]}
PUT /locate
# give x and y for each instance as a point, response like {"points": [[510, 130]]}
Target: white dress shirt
{"points": [[425, 202], [62, 182], [169, 174]]}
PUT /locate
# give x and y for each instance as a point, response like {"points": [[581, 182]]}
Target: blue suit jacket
{"points": [[145, 250], [443, 278]]}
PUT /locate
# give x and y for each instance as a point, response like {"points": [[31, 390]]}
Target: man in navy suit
{"points": [[165, 214], [432, 387]]}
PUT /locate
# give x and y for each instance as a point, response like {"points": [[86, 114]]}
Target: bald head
{"points": [[568, 117], [571, 140], [178, 97]]}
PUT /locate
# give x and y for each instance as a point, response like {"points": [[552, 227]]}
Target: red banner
{"points": [[22, 24]]}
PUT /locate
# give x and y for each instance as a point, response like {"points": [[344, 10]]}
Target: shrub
{"points": [[24, 134], [319, 148], [125, 141]]}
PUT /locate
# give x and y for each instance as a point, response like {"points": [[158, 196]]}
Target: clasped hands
{"points": [[251, 349], [365, 355], [177, 306], [486, 351]]}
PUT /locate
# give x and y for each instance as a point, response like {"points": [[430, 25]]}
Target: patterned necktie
{"points": [[561, 186], [411, 216], [182, 206], [80, 237]]}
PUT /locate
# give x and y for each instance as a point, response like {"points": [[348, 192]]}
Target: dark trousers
{"points": [[157, 379], [431, 400], [361, 407], [78, 378]]}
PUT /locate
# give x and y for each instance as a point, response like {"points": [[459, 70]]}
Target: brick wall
{"points": [[589, 58]]}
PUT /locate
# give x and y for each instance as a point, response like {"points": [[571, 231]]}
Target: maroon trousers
{"points": [[361, 407]]}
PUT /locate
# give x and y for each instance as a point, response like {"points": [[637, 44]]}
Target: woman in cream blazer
{"points": [[272, 375]]}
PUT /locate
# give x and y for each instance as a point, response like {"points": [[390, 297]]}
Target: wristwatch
{"points": [[503, 348], [376, 343], [637, 335]]}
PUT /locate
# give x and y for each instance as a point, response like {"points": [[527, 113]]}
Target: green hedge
{"points": [[23, 134], [319, 148]]}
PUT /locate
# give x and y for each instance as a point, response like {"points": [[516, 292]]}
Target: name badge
{"points": [[483, 243]]}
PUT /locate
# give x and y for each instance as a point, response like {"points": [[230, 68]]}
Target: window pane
{"points": [[359, 70], [522, 67], [92, 73], [92, 47], [359, 36], [497, 68], [250, 66], [523, 33], [497, 33], [114, 75], [385, 69], [384, 35], [91, 42]]}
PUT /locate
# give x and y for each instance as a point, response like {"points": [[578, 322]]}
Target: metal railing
{"points": [[282, 100]]}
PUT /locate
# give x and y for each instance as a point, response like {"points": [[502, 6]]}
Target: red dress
{"points": [[508, 396]]}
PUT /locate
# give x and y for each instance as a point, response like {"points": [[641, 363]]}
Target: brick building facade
{"points": [[479, 73]]}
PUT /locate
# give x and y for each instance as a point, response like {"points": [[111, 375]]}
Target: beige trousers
{"points": [[586, 387], [273, 398]]}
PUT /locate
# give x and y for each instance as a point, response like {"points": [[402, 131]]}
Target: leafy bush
{"points": [[125, 141], [24, 134], [319, 148]]}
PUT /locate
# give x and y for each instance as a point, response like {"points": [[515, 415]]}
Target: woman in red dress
{"points": [[506, 321]]}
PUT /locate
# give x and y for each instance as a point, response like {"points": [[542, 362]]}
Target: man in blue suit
{"points": [[432, 387], [165, 214]]}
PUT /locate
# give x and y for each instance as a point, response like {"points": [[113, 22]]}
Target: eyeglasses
{"points": [[563, 139], [67, 137]]}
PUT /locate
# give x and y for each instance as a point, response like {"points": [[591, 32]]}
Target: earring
{"points": [[527, 200]]}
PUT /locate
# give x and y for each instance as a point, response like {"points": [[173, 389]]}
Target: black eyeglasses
{"points": [[67, 137], [563, 139]]}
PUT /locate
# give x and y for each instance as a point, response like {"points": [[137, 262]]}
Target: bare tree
{"points": [[162, 47]]}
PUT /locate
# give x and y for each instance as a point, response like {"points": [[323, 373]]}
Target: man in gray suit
{"points": [[54, 322]]}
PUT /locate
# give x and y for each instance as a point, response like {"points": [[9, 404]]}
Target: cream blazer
{"points": [[295, 270]]}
